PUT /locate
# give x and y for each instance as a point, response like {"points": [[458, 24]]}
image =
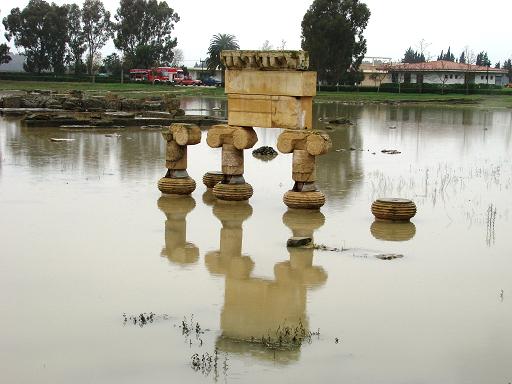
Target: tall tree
{"points": [[112, 64], [448, 56], [97, 29], [462, 58], [41, 29], [332, 32], [4, 54], [507, 64], [76, 37], [483, 60], [218, 43], [144, 32], [411, 56], [57, 36]]}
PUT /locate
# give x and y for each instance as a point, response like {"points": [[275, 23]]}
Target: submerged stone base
{"points": [[304, 200], [176, 186], [232, 192]]}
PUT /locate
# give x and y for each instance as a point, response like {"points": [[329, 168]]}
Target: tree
{"points": [[332, 32], [483, 60], [4, 54], [507, 64], [144, 32], [497, 65], [41, 29], [462, 58], [5, 57], [57, 37], [448, 56], [112, 64], [411, 56], [97, 29], [76, 37], [220, 42]]}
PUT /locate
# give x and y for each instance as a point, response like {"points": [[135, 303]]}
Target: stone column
{"points": [[178, 137], [305, 146], [233, 140]]}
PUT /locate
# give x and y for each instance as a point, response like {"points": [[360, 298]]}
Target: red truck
{"points": [[159, 75]]}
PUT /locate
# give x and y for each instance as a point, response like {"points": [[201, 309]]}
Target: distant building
{"points": [[375, 71], [198, 73], [15, 65], [444, 73]]}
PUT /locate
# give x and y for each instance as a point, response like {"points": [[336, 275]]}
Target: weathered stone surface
{"points": [[265, 60], [270, 111], [182, 186], [240, 137], [232, 192], [271, 83], [212, 178], [304, 200], [12, 101], [315, 142], [303, 166], [232, 160], [395, 209]]}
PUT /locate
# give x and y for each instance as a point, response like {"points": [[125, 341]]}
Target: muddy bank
{"points": [[76, 100]]}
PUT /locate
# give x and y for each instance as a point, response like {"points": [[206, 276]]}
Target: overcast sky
{"points": [[394, 25]]}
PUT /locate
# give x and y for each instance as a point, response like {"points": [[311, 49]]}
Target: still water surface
{"points": [[86, 237]]}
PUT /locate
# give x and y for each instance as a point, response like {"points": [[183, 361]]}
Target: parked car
{"points": [[188, 81], [211, 81]]}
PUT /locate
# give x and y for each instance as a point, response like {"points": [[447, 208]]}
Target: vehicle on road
{"points": [[159, 75], [187, 80], [211, 81]]}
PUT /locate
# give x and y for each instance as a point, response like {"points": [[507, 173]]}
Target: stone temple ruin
{"points": [[266, 89]]}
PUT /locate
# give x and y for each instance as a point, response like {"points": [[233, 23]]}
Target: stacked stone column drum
{"points": [[393, 209], [178, 137], [266, 89]]}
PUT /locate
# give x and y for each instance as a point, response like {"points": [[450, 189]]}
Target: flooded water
{"points": [[88, 244]]}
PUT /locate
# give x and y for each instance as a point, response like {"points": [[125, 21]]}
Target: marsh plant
{"points": [[144, 319], [490, 222], [207, 363], [287, 337]]}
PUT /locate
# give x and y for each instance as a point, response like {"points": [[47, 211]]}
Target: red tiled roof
{"points": [[441, 65]]}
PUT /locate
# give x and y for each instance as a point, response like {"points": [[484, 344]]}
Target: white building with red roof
{"points": [[444, 73]]}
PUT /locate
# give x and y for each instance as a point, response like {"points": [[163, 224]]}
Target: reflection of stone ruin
{"points": [[267, 89], [177, 249], [256, 309]]}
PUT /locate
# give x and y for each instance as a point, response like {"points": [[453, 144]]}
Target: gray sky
{"points": [[394, 25]]}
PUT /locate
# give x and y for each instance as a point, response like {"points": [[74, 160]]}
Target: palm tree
{"points": [[219, 43]]}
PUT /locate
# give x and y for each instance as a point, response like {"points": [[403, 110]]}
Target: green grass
{"points": [[485, 101], [139, 90], [126, 89]]}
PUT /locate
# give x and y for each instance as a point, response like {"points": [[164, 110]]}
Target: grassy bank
{"points": [[485, 101], [143, 90], [126, 89]]}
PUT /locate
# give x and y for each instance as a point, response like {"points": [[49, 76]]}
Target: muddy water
{"points": [[86, 239]]}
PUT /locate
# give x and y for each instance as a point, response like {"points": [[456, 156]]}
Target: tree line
{"points": [[466, 57], [54, 36]]}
